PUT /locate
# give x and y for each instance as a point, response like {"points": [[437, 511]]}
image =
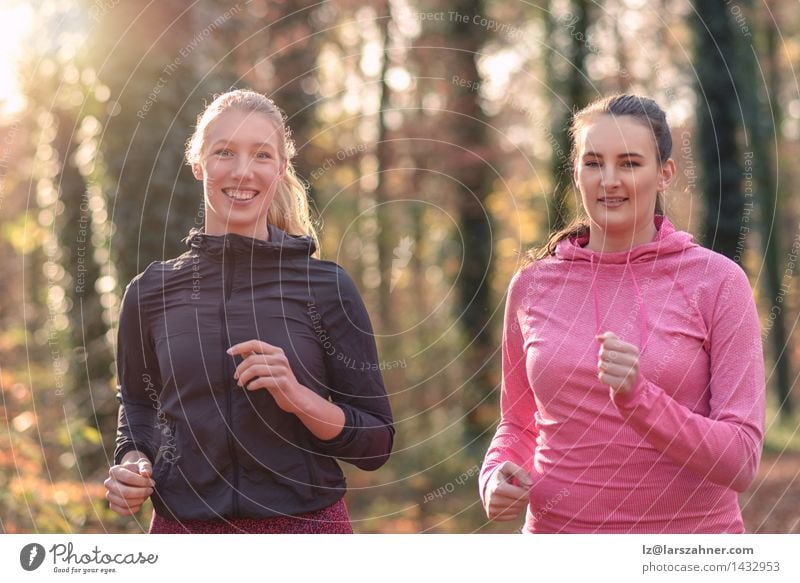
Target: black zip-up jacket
{"points": [[221, 451]]}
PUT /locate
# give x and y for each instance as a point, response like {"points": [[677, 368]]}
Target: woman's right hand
{"points": [[507, 492], [129, 484]]}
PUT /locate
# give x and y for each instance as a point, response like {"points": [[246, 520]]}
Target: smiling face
{"points": [[619, 176], [240, 166]]}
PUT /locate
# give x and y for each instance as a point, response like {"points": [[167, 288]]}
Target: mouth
{"points": [[612, 201], [240, 194]]}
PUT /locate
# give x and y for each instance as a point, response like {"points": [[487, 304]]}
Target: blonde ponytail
{"points": [[290, 210]]}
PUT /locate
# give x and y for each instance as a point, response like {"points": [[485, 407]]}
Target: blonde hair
{"points": [[289, 210]]}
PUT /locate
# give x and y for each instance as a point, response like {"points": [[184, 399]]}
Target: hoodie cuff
{"points": [[628, 401]]}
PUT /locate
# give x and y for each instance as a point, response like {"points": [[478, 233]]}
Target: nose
{"points": [[609, 177], [242, 168]]}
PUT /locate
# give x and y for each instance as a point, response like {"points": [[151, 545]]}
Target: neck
{"points": [[610, 242], [257, 232]]}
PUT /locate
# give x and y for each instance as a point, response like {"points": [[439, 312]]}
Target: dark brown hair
{"points": [[644, 110]]}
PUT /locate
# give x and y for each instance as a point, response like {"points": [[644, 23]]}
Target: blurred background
{"points": [[432, 137]]}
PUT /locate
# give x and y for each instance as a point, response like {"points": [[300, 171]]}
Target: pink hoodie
{"points": [[672, 454]]}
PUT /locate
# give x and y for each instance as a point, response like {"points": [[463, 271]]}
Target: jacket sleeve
{"points": [[139, 380], [515, 438], [724, 447], [354, 378]]}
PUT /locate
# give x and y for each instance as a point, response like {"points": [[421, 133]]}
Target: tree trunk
{"points": [[568, 79], [761, 123], [468, 131], [715, 55]]}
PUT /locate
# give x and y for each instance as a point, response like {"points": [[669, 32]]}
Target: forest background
{"points": [[432, 136]]}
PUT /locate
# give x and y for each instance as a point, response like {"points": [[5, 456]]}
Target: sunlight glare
{"points": [[15, 21]]}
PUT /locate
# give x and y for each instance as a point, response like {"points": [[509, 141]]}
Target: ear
{"points": [[667, 175], [197, 170]]}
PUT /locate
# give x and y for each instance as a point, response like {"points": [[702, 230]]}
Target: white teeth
{"points": [[240, 194]]}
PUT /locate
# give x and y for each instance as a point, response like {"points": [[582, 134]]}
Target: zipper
{"points": [[228, 270]]}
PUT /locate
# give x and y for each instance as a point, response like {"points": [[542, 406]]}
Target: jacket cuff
{"points": [[121, 450], [345, 437]]}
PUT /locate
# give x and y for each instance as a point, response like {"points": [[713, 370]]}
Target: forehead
{"points": [[610, 134], [243, 127]]}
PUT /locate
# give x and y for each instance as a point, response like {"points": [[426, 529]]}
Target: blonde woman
{"points": [[236, 383]]}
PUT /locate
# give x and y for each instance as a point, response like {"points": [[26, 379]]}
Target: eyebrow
{"points": [[255, 145], [624, 155]]}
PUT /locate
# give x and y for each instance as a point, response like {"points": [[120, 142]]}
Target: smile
{"points": [[612, 201], [239, 194]]}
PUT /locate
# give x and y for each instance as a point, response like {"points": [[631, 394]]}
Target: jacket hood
{"points": [[280, 244], [667, 241]]}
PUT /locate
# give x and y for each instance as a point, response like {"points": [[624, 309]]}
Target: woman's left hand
{"points": [[617, 363], [266, 367]]}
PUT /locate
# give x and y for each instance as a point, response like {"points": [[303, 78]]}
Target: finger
{"points": [[252, 359], [618, 345], [610, 380], [511, 470], [273, 376], [506, 512], [508, 490], [124, 510], [114, 497], [274, 385], [605, 336], [128, 474], [267, 366], [619, 366], [510, 495], [617, 354], [505, 517], [616, 383], [130, 492], [256, 346], [123, 502], [274, 359], [618, 370], [616, 357], [145, 468]]}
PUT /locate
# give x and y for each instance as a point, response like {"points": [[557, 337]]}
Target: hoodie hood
{"points": [[667, 241], [280, 244]]}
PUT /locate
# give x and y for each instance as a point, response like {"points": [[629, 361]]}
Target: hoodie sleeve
{"points": [[515, 438], [139, 380], [724, 447], [354, 378]]}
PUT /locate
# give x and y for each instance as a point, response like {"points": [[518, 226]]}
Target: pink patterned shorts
{"points": [[331, 520]]}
